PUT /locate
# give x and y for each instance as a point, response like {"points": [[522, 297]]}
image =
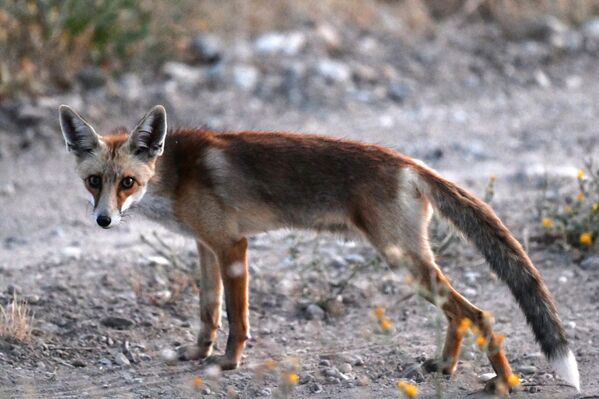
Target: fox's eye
{"points": [[127, 182], [94, 181]]}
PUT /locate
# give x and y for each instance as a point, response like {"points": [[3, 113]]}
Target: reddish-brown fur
{"points": [[224, 187]]}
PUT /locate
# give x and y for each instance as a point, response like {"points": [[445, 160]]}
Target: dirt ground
{"points": [[100, 296]]}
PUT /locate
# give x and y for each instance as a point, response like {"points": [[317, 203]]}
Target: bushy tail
{"points": [[509, 261]]}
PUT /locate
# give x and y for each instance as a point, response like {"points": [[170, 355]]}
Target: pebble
{"points": [[264, 392], [562, 279], [122, 360], [118, 323], [345, 368], [105, 362], [314, 312], [398, 92], [315, 388], [71, 253], [590, 29], [245, 76], [333, 71], [325, 363], [13, 289], [206, 48], [78, 363], [169, 356], [276, 42], [182, 73], [526, 369], [590, 263], [486, 377]]}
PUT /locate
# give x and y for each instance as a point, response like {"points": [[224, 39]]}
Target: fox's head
{"points": [[115, 168]]}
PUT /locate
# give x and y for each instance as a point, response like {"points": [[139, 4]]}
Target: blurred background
{"points": [[499, 95]]}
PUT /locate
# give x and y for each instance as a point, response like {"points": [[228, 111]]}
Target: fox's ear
{"points": [[147, 139], [79, 136]]}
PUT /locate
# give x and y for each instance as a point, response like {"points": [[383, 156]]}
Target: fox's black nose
{"points": [[103, 220]]}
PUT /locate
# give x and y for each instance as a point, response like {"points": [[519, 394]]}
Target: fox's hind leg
{"points": [[399, 232], [210, 306]]}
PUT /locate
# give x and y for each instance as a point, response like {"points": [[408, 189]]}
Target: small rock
{"points": [[206, 49], [570, 324], [398, 92], [78, 363], [542, 79], [333, 71], [355, 259], [486, 377], [105, 362], [590, 29], [315, 388], [245, 76], [169, 356], [471, 278], [276, 42], [590, 263], [91, 77], [359, 361], [470, 292], [335, 373], [527, 369], [264, 392], [314, 312], [8, 189], [182, 73], [324, 363], [332, 380], [118, 323], [122, 360], [145, 357], [71, 252], [13, 289], [330, 37], [413, 372], [345, 368], [534, 389], [562, 279]]}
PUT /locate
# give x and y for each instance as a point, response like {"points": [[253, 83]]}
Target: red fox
{"points": [[222, 187]]}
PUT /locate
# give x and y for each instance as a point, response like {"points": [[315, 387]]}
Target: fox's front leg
{"points": [[210, 306], [234, 272]]}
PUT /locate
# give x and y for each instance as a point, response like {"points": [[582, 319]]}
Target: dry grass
{"points": [[15, 321]]}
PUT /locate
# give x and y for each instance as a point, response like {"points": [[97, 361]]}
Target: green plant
{"points": [[574, 221], [46, 42]]}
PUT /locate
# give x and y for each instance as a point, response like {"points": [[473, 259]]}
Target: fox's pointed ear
{"points": [[147, 139], [79, 136]]}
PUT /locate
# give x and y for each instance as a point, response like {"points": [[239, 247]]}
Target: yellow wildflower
{"points": [[580, 197], [269, 364], [408, 389], [379, 312], [481, 341], [585, 239], [596, 207], [568, 209], [291, 378], [513, 380], [385, 325], [580, 174], [197, 382], [547, 223], [463, 326]]}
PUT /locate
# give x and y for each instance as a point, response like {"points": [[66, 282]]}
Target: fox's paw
{"points": [[438, 366], [191, 352], [224, 362]]}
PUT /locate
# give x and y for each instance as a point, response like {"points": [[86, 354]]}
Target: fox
{"points": [[222, 187]]}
